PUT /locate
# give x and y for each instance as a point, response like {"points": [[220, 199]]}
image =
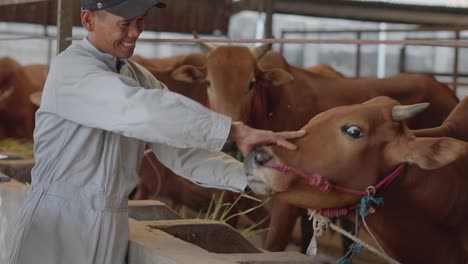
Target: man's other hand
{"points": [[248, 138]]}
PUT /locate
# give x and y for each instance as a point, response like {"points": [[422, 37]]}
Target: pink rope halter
{"points": [[324, 185]]}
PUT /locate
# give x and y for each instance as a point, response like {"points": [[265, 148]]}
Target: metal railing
{"points": [[413, 41]]}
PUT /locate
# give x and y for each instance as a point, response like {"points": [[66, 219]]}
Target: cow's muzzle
{"points": [[253, 165]]}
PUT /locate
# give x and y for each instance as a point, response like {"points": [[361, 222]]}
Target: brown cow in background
{"points": [[285, 95], [423, 218], [17, 84], [325, 70], [261, 89]]}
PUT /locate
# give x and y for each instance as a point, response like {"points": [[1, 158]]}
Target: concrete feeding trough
{"points": [[143, 210], [213, 236], [185, 241], [179, 240], [16, 166]]}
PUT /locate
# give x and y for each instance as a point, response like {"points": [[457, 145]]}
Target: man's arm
{"points": [[95, 97], [211, 169]]}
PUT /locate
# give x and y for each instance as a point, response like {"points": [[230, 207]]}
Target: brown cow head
{"points": [[351, 146], [231, 73]]}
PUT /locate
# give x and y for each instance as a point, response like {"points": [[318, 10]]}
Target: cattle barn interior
{"points": [[345, 39]]}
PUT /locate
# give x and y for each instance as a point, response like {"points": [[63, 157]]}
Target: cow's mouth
{"points": [[4, 95], [257, 174]]}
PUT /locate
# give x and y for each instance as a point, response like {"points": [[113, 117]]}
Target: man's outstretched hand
{"points": [[248, 138]]}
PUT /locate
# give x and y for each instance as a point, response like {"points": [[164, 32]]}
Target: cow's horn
{"points": [[6, 94], [35, 98], [403, 112], [204, 47], [259, 51]]}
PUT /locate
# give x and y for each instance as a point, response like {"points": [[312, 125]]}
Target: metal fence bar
{"points": [[442, 74], [358, 56], [340, 31], [441, 43], [402, 64], [455, 63], [16, 2], [64, 24], [457, 29]]}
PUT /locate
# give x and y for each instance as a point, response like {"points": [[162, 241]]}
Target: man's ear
{"points": [[275, 77], [88, 20], [189, 74], [432, 153]]}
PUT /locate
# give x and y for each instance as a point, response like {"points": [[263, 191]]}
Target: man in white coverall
{"points": [[98, 112]]}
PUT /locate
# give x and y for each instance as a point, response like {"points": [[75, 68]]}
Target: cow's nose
{"points": [[256, 159], [261, 157]]}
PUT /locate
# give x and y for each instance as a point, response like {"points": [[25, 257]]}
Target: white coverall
{"points": [[91, 130]]}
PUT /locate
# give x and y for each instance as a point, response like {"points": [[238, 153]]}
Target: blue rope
{"points": [[239, 156], [353, 248], [365, 208]]}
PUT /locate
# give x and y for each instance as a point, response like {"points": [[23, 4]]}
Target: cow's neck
{"points": [[283, 108], [424, 211]]}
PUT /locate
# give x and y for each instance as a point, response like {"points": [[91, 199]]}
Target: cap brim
{"points": [[134, 8]]}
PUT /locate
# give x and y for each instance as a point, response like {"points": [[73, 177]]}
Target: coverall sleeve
{"points": [[211, 169], [94, 96]]}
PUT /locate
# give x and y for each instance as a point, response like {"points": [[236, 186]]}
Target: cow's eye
{"points": [[353, 131], [208, 83]]}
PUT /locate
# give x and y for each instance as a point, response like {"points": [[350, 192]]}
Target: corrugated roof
{"points": [[204, 16]]}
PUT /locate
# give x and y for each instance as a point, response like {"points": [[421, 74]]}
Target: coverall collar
{"points": [[110, 60]]}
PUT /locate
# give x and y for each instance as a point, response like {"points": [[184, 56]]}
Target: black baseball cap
{"points": [[123, 8]]}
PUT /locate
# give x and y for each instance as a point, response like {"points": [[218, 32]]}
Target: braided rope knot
{"points": [[333, 212], [321, 182]]}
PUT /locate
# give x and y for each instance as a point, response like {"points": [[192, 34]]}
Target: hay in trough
{"points": [[21, 147]]}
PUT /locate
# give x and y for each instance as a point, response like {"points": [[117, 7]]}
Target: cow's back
{"points": [[292, 105]]}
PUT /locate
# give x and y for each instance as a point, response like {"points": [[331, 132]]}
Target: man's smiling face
{"points": [[116, 35]]}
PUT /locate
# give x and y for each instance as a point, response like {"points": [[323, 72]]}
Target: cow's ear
{"points": [[434, 153], [189, 73], [276, 77]]}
